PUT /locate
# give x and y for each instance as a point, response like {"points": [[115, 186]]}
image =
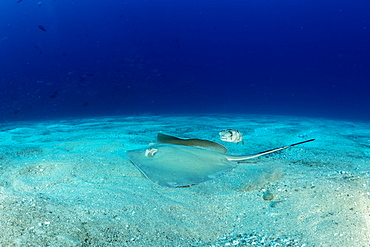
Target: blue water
{"points": [[98, 57]]}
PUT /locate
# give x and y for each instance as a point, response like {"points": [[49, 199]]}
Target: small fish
{"points": [[231, 135], [19, 1], [54, 95], [42, 28], [82, 78]]}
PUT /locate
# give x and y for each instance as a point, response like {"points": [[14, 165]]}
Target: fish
{"points": [[82, 78], [231, 135], [42, 28], [177, 165], [54, 95]]}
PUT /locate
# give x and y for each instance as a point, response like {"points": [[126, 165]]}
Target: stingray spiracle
{"points": [[150, 152]]}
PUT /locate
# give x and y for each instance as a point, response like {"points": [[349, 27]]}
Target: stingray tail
{"points": [[240, 159]]}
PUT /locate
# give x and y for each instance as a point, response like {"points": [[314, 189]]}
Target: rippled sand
{"points": [[69, 183]]}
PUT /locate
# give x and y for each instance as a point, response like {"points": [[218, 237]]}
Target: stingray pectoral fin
{"points": [[240, 159], [209, 145], [162, 138]]}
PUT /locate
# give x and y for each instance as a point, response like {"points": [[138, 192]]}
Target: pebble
{"points": [[268, 196], [253, 239]]}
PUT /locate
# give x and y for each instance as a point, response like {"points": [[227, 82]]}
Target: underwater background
{"points": [[90, 58], [84, 84]]}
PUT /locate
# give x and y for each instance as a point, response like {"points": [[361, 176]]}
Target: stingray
{"points": [[210, 145], [182, 163]]}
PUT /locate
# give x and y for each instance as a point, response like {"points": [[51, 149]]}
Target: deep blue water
{"points": [[99, 57]]}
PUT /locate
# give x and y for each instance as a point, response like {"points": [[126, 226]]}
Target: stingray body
{"points": [[172, 165], [178, 165]]}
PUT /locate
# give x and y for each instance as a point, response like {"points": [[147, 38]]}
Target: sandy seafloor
{"points": [[70, 183]]}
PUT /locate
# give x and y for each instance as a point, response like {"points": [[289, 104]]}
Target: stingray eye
{"points": [[150, 152]]}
